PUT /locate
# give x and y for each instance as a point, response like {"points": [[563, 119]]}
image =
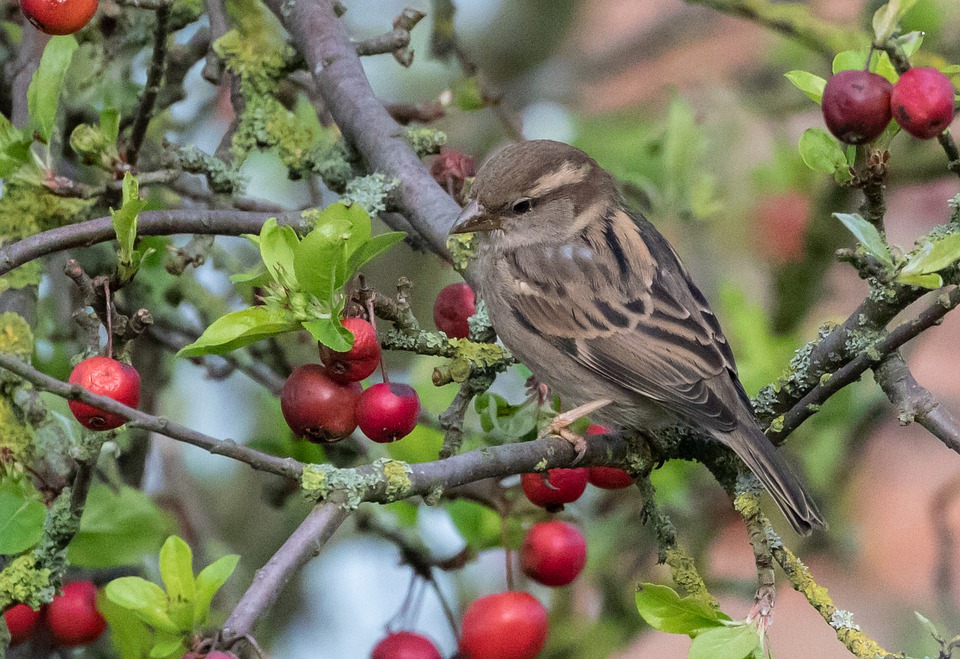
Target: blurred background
{"points": [[690, 108]]}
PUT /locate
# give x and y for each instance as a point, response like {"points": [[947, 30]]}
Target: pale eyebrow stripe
{"points": [[568, 174]]}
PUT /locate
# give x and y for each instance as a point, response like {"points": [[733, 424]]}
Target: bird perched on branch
{"points": [[594, 300]]}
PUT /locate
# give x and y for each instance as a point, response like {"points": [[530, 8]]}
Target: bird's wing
{"points": [[641, 324]]}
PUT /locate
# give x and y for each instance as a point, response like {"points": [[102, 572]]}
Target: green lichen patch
{"points": [[353, 486], [16, 337], [16, 439], [28, 274], [425, 141], [23, 581], [463, 247], [684, 572], [28, 209], [370, 192], [396, 476]]}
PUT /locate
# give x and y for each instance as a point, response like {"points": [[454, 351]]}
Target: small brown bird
{"points": [[596, 303]]}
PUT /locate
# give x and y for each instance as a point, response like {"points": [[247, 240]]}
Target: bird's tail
{"points": [[767, 463]]}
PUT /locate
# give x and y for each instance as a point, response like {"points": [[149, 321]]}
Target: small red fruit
{"points": [[105, 377], [360, 360], [73, 618], [510, 625], [922, 102], [553, 553], [405, 645], [856, 105], [609, 478], [58, 16], [454, 305], [21, 621], [316, 407], [387, 412], [555, 488], [782, 221]]}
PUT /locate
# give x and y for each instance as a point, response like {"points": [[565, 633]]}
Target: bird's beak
{"points": [[475, 217]]}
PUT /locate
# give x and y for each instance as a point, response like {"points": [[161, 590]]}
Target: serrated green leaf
{"points": [[117, 528], [922, 281], [733, 642], [277, 247], [330, 332], [373, 248], [821, 152], [240, 328], [662, 608], [110, 124], [910, 42], [144, 598], [21, 522], [867, 235], [352, 219], [209, 581], [125, 226], [176, 570], [887, 18], [935, 255], [43, 95], [810, 84], [130, 636], [320, 261], [14, 148]]}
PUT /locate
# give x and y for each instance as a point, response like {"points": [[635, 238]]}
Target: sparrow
{"points": [[593, 299]]}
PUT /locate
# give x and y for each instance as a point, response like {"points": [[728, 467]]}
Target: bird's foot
{"points": [[762, 610], [560, 425]]}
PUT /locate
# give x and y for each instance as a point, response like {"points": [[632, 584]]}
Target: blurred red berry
{"points": [[58, 16], [553, 553], [21, 621], [73, 617], [451, 168], [405, 645], [781, 226], [453, 307], [510, 625]]}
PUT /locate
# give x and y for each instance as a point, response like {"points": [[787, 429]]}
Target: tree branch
{"points": [[302, 545], [916, 403], [151, 90], [149, 223], [333, 62]]}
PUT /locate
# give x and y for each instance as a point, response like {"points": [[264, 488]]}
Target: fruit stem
{"points": [[869, 57], [367, 295], [106, 295], [507, 553]]}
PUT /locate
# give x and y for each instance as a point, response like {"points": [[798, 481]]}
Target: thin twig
{"points": [[154, 80]]}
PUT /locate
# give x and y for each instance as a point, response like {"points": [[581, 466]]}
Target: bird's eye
{"points": [[522, 205]]}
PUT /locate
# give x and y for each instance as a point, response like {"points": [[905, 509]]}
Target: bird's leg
{"points": [[762, 610], [560, 425]]}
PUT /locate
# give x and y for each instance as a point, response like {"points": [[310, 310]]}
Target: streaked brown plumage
{"points": [[597, 304]]}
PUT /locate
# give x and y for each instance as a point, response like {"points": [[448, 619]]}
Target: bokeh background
{"points": [[690, 109]]}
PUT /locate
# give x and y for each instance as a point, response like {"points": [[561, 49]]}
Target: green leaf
{"points": [[868, 236], [241, 328], [146, 599], [810, 84], [209, 581], [110, 124], [662, 608], [887, 18], [319, 262], [130, 636], [934, 255], [733, 642], [21, 522], [14, 148], [930, 627], [43, 95], [256, 276], [373, 248], [910, 42], [277, 246], [176, 570], [467, 94], [923, 281], [821, 152], [167, 645], [330, 332], [479, 525], [339, 216], [125, 226], [117, 528]]}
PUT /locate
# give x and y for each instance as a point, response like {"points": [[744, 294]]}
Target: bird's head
{"points": [[536, 192]]}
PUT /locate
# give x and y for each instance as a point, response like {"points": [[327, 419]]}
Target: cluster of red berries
{"points": [[325, 402], [71, 618], [62, 17], [857, 105]]}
